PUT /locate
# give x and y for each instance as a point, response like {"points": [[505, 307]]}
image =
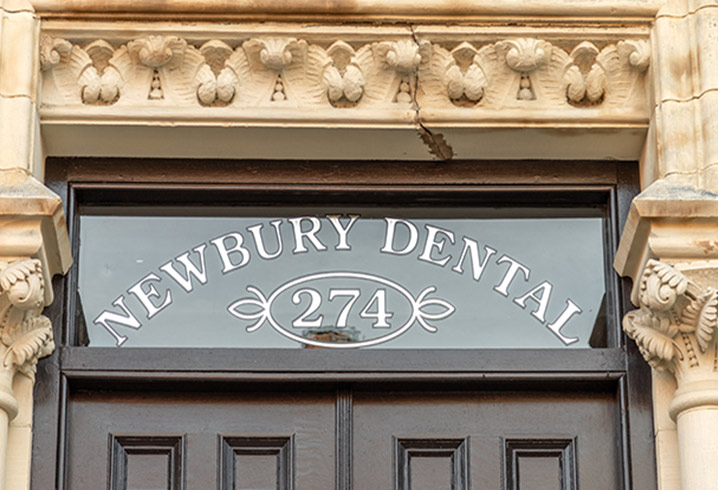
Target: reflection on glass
{"points": [[341, 282]]}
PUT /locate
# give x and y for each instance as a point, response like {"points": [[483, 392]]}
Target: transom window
{"points": [[440, 277]]}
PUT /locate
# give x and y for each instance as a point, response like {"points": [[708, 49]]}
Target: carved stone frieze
{"points": [[257, 72], [524, 71], [675, 327], [25, 334]]}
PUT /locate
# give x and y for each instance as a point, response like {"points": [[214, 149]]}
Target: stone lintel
{"points": [[276, 90]]}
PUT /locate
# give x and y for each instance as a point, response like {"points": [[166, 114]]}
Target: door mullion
{"points": [[344, 432]]}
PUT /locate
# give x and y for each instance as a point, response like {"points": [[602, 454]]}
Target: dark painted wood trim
{"points": [[343, 435], [297, 172], [76, 360]]}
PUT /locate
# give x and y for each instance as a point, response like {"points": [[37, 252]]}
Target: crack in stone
{"points": [[692, 98], [16, 96], [687, 14], [438, 146], [436, 142]]}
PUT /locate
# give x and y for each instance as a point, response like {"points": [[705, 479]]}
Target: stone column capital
{"points": [[25, 334], [675, 328]]}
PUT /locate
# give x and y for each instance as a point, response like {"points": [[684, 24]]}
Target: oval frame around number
{"points": [[266, 305]]}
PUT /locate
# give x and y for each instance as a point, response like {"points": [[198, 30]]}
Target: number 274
{"points": [[375, 308]]}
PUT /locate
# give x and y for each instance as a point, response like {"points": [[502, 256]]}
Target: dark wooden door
{"points": [[171, 441], [312, 438], [486, 440]]}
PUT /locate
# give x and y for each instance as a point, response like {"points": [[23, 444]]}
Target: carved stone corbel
{"points": [[675, 329], [25, 334]]}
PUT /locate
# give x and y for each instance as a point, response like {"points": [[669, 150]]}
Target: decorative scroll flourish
{"points": [[636, 52], [264, 72], [676, 324], [258, 309], [25, 334], [51, 51]]}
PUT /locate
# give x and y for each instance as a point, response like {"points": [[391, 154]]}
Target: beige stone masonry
{"points": [[33, 240], [433, 92], [366, 10], [19, 71], [685, 46]]}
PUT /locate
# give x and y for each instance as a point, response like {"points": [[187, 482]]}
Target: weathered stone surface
{"points": [[18, 73], [18, 118], [368, 8]]}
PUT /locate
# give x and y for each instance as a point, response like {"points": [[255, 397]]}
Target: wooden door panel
{"points": [[147, 462], [508, 440], [132, 441]]}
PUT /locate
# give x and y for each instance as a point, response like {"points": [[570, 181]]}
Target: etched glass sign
{"points": [[342, 281]]}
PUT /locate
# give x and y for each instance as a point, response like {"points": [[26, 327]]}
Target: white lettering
{"points": [[431, 243], [145, 297], [390, 231], [191, 270], [477, 266], [315, 302], [503, 288], [256, 231], [128, 320], [545, 289], [224, 251], [310, 234], [341, 231], [568, 312]]}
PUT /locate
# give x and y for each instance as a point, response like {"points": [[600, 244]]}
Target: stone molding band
{"points": [[268, 72], [397, 9], [696, 395]]}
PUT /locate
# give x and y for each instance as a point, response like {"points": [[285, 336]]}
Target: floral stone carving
{"points": [[458, 72], [25, 334], [585, 78], [343, 74], [675, 327], [524, 73]]}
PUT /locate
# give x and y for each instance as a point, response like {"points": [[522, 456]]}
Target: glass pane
{"points": [[342, 282]]}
